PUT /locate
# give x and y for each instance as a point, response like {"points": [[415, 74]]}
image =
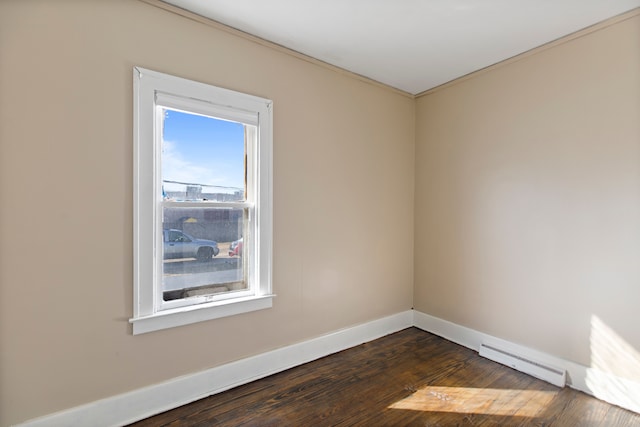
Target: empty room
{"points": [[319, 213]]}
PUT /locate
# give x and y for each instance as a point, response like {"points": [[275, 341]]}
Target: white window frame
{"points": [[152, 91]]}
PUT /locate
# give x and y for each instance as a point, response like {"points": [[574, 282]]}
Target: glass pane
{"points": [[203, 158], [202, 252]]}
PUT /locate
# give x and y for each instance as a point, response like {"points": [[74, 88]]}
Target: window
{"points": [[202, 202]]}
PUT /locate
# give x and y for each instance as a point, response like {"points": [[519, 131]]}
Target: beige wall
{"points": [[527, 221], [343, 184], [527, 199]]}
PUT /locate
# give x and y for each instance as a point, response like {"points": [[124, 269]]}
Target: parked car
{"points": [[236, 248], [178, 244]]}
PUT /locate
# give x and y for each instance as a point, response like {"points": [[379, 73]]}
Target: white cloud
{"points": [[176, 168]]}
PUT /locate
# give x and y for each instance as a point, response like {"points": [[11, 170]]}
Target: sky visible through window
{"points": [[202, 150]]}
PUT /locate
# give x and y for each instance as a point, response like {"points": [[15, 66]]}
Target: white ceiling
{"points": [[412, 45]]}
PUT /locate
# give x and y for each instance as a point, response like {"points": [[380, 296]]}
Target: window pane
{"points": [[203, 158], [202, 252]]}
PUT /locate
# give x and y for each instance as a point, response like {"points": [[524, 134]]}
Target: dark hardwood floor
{"points": [[410, 378]]}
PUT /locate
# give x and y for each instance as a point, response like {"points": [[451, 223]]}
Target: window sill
{"points": [[192, 314]]}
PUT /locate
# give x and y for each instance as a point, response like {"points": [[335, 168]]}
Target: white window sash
{"points": [[154, 91], [205, 108]]}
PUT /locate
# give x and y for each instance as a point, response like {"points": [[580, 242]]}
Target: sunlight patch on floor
{"points": [[466, 400]]}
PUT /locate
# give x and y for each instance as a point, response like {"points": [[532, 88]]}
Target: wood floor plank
{"points": [[410, 378]]}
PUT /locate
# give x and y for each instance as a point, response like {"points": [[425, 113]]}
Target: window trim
{"points": [[199, 98]]}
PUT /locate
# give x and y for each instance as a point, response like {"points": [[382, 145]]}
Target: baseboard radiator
{"points": [[550, 374]]}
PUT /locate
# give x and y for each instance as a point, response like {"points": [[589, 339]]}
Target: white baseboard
{"points": [[472, 339], [145, 402], [142, 403], [605, 386]]}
